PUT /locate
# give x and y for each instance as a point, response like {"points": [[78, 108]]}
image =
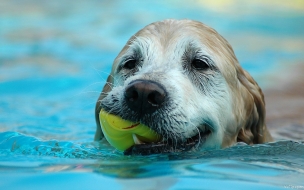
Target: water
{"points": [[36, 164], [54, 59]]}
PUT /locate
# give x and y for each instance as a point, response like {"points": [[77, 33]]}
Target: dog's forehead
{"points": [[169, 33], [175, 35]]}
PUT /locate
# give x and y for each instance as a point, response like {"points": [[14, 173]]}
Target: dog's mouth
{"points": [[169, 145]]}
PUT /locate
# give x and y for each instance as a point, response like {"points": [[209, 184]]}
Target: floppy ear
{"points": [[253, 130], [107, 88]]}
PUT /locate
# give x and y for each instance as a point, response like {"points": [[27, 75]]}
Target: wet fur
{"points": [[225, 98]]}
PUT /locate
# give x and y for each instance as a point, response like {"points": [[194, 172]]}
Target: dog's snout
{"points": [[144, 96]]}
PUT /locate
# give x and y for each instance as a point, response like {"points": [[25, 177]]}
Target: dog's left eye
{"points": [[130, 64], [199, 64]]}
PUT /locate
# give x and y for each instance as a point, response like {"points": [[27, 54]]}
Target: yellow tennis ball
{"points": [[122, 134]]}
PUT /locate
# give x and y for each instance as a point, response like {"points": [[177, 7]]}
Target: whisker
{"points": [[97, 71]]}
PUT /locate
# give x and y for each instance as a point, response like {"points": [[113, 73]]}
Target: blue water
{"points": [[29, 162], [54, 59]]}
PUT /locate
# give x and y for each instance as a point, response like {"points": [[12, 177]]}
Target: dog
{"points": [[182, 79]]}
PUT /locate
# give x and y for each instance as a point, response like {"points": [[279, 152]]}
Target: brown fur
{"points": [[249, 107]]}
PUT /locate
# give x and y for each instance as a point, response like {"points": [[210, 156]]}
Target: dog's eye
{"points": [[199, 64], [130, 64]]}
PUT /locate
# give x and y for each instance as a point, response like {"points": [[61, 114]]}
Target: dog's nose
{"points": [[144, 96]]}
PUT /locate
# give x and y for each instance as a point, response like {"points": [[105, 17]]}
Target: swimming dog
{"points": [[182, 79]]}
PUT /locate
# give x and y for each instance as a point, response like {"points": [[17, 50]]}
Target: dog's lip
{"points": [[200, 137], [167, 146], [204, 133]]}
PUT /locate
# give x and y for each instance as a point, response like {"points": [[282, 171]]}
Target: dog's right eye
{"points": [[199, 64], [130, 64]]}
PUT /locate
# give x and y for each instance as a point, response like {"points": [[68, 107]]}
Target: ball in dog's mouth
{"points": [[122, 134], [135, 138]]}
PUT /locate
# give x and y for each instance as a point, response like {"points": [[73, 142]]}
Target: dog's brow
{"points": [[194, 51], [132, 53]]}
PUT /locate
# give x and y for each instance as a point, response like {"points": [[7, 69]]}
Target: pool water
{"points": [[54, 60]]}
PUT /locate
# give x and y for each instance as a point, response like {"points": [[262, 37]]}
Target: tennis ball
{"points": [[123, 134]]}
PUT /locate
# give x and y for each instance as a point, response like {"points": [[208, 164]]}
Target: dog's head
{"points": [[182, 79]]}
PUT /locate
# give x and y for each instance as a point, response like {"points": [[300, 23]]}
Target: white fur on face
{"points": [[197, 98]]}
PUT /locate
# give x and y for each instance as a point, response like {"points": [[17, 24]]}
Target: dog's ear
{"points": [[253, 129], [107, 88]]}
